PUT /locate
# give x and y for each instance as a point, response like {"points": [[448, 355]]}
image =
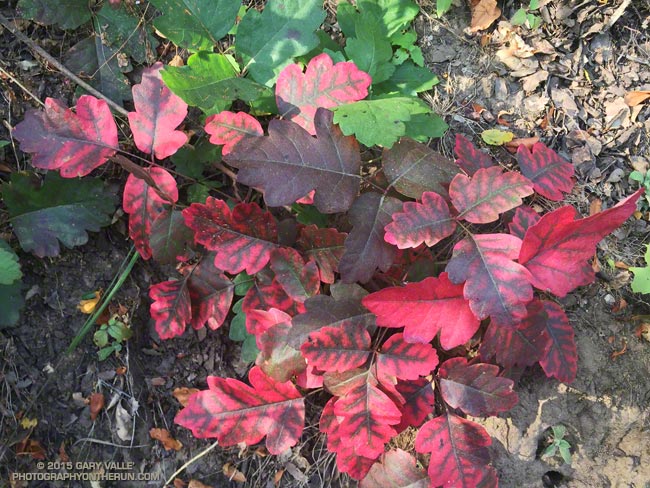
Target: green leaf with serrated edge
{"points": [[243, 282], [123, 31], [69, 14], [211, 82], [9, 265], [442, 7], [59, 210], [370, 49], [408, 79], [97, 64], [381, 121], [519, 18], [641, 281], [268, 41], [11, 303], [423, 127], [196, 24]]}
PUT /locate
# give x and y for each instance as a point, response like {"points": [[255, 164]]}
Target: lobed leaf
{"points": [[73, 143], [169, 237], [337, 348], [69, 14], [299, 280], [404, 360], [470, 159], [323, 84], [277, 358], [211, 294], [289, 163], [157, 114], [234, 412], [228, 128], [171, 307], [9, 265], [524, 218], [551, 175], [418, 402], [397, 469], [325, 247]]}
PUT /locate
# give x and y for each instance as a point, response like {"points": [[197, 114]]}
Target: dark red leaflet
{"points": [[551, 175]]}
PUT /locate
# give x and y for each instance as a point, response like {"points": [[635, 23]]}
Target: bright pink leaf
{"points": [[488, 193], [242, 238], [171, 308], [234, 412], [289, 163], [470, 158], [555, 250], [524, 218], [419, 400], [424, 309], [266, 294], [476, 389], [299, 280], [73, 143], [211, 293], [561, 359], [157, 114], [145, 204], [495, 285], [459, 452], [365, 248], [428, 222], [325, 246], [551, 175], [228, 128], [262, 320], [323, 84], [337, 348], [522, 345], [404, 360], [397, 469]]}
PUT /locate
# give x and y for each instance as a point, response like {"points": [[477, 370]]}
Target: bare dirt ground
{"points": [[563, 82]]}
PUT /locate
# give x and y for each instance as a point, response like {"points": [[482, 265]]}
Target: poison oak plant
{"points": [[341, 310]]}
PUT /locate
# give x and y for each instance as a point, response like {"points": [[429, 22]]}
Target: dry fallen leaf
{"points": [[30, 447], [233, 474], [63, 455], [595, 206], [166, 439], [197, 484], [179, 483], [96, 403], [88, 305], [484, 13], [183, 394], [527, 142], [278, 477], [634, 98]]}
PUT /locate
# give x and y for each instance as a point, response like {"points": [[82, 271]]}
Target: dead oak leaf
{"points": [[635, 98], [166, 439], [484, 13]]}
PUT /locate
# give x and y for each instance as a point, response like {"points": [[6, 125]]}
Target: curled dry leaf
{"points": [[183, 394], [96, 403], [634, 98], [166, 439], [233, 474], [484, 12]]}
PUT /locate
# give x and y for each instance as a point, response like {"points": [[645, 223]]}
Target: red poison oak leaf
{"points": [[419, 400], [428, 222], [524, 218], [289, 163], [404, 360], [495, 284], [325, 246], [266, 294], [424, 309], [277, 358], [228, 128], [323, 84], [299, 280], [242, 239], [73, 143], [470, 159], [561, 358], [397, 469], [337, 348], [555, 250], [551, 175], [211, 293], [171, 308], [475, 388], [234, 412], [488, 193], [459, 452], [157, 114], [145, 204]]}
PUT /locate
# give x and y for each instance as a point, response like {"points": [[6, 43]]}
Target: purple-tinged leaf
{"points": [[470, 158], [551, 175], [524, 218]]}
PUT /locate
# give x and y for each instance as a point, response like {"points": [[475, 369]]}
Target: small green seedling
{"points": [[644, 180], [558, 443], [110, 336], [641, 281], [524, 16]]}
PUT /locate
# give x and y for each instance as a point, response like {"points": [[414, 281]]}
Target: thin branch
{"points": [[44, 54]]}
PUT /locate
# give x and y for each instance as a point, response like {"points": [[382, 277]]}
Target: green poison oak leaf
{"points": [[551, 175], [58, 210], [641, 281], [228, 128], [69, 14], [73, 143], [157, 114], [495, 284], [235, 412], [365, 248], [487, 194], [323, 84], [459, 452], [145, 204], [268, 41], [413, 168], [476, 389], [424, 309], [370, 48], [11, 297], [397, 469], [325, 247], [195, 24], [289, 163], [470, 159], [556, 249]]}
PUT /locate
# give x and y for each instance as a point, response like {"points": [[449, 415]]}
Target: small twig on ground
{"points": [[195, 458], [44, 54]]}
